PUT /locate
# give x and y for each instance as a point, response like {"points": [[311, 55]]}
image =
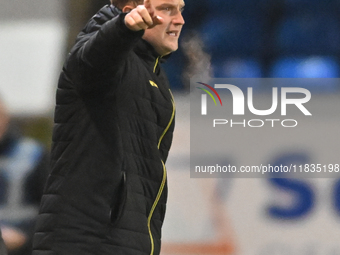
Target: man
{"points": [[114, 120], [23, 173]]}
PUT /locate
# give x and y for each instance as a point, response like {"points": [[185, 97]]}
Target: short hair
{"points": [[121, 3]]}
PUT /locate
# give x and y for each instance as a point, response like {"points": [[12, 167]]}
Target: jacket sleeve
{"points": [[97, 56]]}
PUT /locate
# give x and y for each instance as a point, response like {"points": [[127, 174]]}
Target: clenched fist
{"points": [[142, 17]]}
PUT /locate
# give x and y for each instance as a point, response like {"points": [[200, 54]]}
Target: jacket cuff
{"points": [[122, 30], [125, 29]]}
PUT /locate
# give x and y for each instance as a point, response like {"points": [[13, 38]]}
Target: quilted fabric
{"points": [[114, 119]]}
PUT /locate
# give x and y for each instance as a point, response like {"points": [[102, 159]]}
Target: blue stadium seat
{"points": [[309, 67], [308, 35], [194, 12], [232, 36], [239, 7], [314, 6], [238, 68]]}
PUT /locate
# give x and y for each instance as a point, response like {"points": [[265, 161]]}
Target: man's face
{"points": [[164, 37]]}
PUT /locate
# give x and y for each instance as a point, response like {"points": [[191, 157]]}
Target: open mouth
{"points": [[172, 33]]}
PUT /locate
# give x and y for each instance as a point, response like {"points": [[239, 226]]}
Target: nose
{"points": [[178, 19]]}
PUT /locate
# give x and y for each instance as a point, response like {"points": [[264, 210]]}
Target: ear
{"points": [[129, 7]]}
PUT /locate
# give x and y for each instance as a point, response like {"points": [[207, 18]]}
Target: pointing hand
{"points": [[142, 17]]}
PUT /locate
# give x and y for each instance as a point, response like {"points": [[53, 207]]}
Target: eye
{"points": [[169, 10]]}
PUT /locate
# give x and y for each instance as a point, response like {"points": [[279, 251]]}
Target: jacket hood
{"points": [[105, 14]]}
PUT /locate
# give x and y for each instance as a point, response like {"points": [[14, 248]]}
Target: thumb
{"points": [[157, 20]]}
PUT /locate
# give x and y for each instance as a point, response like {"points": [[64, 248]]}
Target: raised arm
{"points": [[99, 54]]}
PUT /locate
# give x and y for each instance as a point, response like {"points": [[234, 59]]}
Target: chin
{"points": [[172, 48], [167, 49]]}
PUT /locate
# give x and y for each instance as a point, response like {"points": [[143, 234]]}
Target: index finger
{"points": [[148, 6]]}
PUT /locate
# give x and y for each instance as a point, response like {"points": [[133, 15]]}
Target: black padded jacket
{"points": [[114, 120]]}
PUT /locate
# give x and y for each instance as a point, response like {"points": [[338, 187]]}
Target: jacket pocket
{"points": [[119, 201]]}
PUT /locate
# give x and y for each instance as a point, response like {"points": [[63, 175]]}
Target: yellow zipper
{"points": [[160, 191], [156, 63], [171, 119], [154, 68], [161, 188]]}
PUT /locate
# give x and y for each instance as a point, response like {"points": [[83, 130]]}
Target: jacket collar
{"points": [[146, 51]]}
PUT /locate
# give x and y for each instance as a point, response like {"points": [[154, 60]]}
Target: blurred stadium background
{"points": [[221, 38]]}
